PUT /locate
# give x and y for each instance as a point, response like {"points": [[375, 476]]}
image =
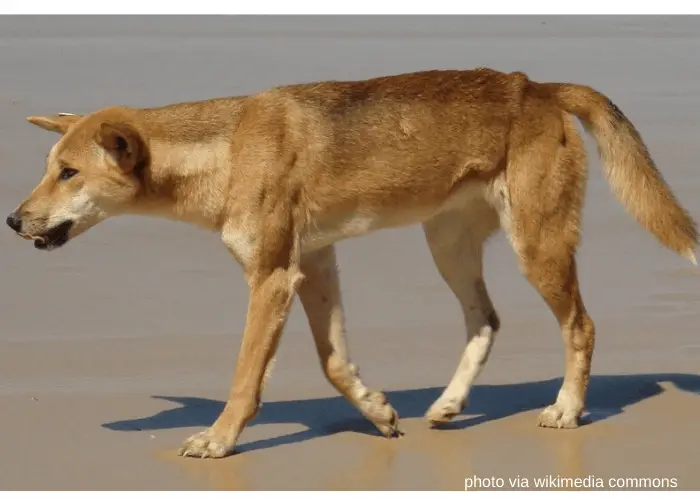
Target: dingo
{"points": [[284, 174]]}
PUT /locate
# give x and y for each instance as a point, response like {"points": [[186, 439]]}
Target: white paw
{"points": [[376, 408], [557, 418], [206, 445], [444, 410]]}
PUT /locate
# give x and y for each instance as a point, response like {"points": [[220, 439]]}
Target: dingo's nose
{"points": [[14, 222]]}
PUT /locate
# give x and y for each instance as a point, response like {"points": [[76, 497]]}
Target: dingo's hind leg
{"points": [[546, 178], [456, 241]]}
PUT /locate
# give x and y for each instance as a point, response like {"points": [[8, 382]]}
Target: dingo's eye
{"points": [[66, 173]]}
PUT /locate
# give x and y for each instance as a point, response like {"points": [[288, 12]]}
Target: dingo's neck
{"points": [[190, 147]]}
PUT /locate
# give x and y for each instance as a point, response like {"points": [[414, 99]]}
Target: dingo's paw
{"points": [[556, 418], [206, 445], [443, 411], [376, 408]]}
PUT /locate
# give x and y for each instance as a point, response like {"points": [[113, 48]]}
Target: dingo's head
{"points": [[92, 173]]}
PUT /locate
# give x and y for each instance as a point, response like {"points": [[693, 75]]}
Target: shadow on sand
{"points": [[608, 396]]}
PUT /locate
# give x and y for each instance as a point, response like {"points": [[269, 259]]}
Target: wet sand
{"points": [[120, 345]]}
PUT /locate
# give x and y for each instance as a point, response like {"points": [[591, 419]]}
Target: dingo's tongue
{"points": [[30, 237]]}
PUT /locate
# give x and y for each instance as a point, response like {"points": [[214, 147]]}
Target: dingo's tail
{"points": [[629, 168]]}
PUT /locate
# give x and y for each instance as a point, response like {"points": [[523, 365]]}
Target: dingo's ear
{"points": [[55, 123], [124, 144]]}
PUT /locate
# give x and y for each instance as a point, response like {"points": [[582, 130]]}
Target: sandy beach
{"points": [[117, 347]]}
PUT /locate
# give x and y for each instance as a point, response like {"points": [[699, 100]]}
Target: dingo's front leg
{"points": [[270, 300], [320, 297], [271, 262]]}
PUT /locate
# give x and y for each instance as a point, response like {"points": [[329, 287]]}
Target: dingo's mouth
{"points": [[53, 238]]}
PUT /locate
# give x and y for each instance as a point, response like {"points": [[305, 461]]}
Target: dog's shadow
{"points": [[608, 395]]}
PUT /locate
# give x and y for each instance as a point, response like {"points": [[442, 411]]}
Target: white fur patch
{"points": [[82, 206], [691, 257], [355, 225], [238, 242]]}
